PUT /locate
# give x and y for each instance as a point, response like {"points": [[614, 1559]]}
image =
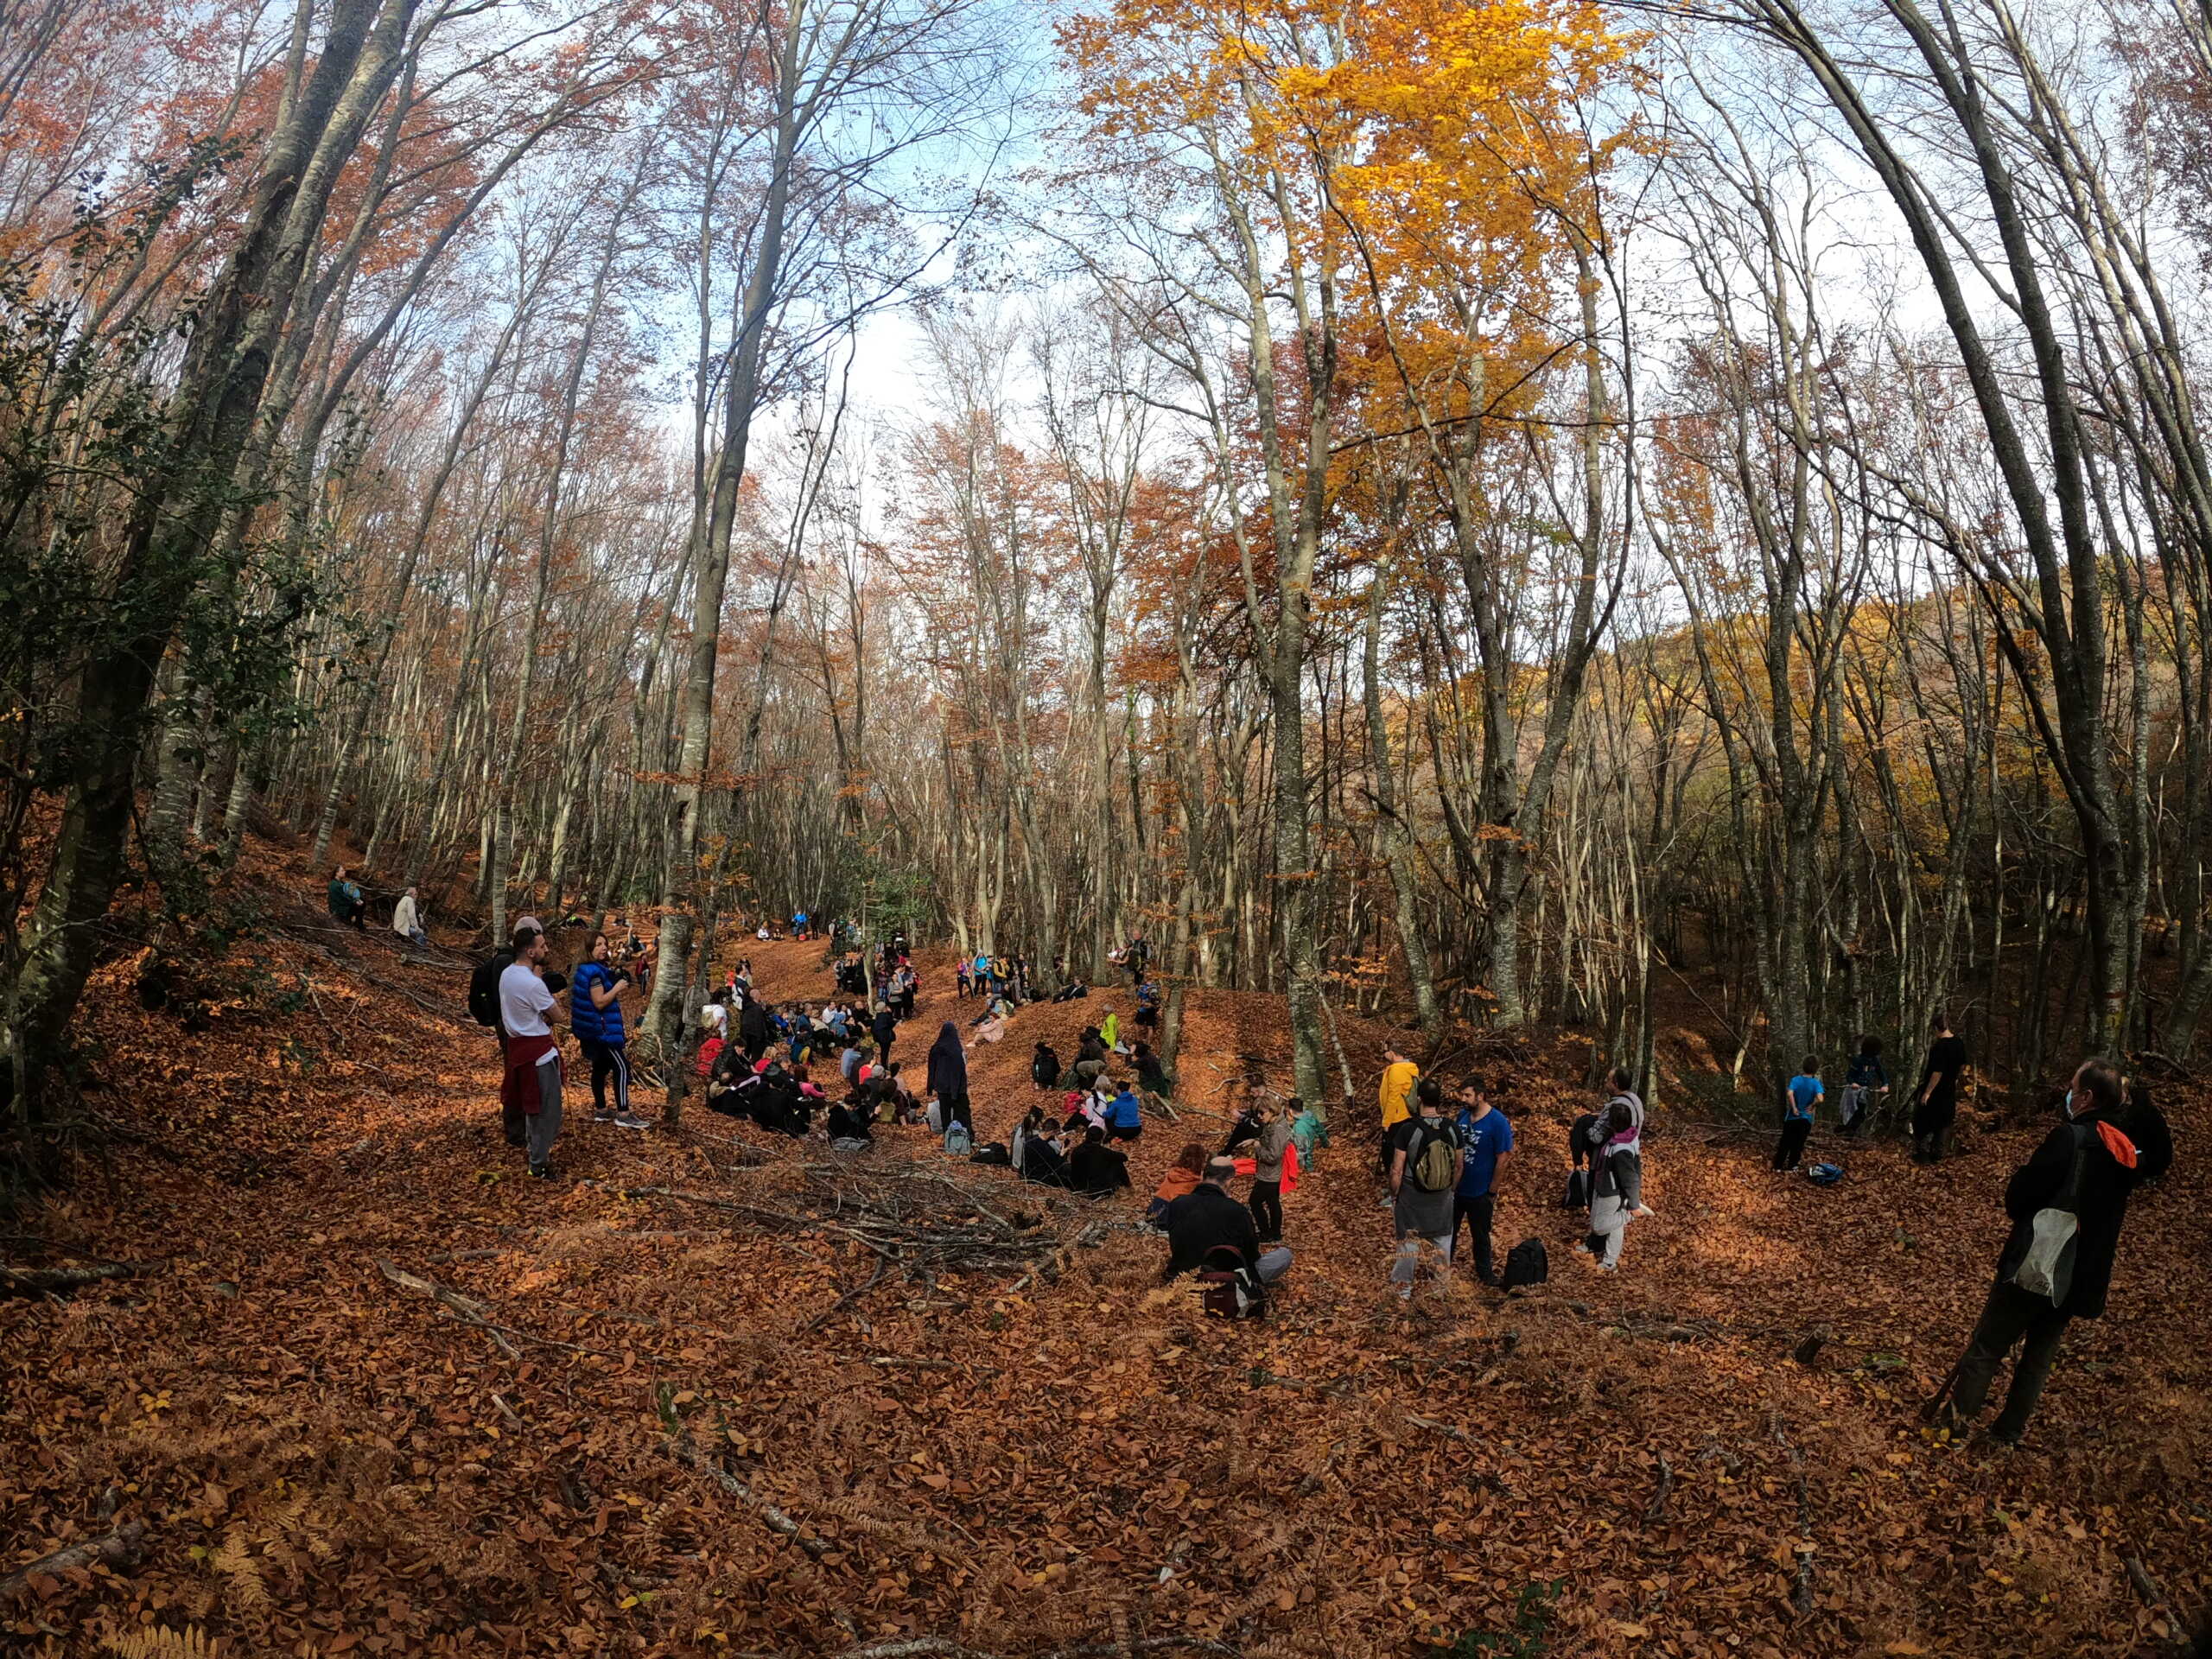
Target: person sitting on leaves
{"points": [[1096, 1168], [1182, 1177], [848, 1130], [1040, 1156], [1206, 1218], [1045, 1067]]}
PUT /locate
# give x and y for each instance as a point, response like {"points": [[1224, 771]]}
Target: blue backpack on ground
{"points": [[1825, 1174], [957, 1141]]}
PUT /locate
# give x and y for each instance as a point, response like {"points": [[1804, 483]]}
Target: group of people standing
{"points": [[1865, 1094]]}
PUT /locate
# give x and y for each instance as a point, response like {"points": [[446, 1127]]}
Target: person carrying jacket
{"points": [[1616, 1184], [2119, 1146]]}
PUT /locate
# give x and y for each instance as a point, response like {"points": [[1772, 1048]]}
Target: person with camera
{"points": [[595, 1015]]}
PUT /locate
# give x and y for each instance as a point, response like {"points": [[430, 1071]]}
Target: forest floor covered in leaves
{"points": [[377, 1392]]}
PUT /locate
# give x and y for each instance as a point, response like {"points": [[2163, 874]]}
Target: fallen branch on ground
{"points": [[119, 1548], [53, 1281], [686, 1451]]}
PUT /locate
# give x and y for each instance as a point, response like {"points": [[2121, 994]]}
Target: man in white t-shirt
{"points": [[528, 1010]]}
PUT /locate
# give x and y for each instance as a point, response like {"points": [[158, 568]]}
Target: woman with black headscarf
{"points": [[753, 1029], [948, 1078]]}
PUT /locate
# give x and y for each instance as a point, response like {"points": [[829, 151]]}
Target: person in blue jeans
{"points": [[1799, 1102], [1488, 1137]]}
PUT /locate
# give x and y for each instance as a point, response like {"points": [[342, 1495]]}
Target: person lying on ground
{"points": [[1096, 1168], [1207, 1218]]}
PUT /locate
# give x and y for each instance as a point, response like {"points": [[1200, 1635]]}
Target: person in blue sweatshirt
{"points": [[595, 1015], [1803, 1096], [1124, 1116], [1487, 1137]]}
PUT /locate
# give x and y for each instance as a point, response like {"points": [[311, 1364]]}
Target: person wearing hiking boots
{"points": [[1485, 1137], [2066, 1203], [532, 1086], [1425, 1163], [595, 1015], [1936, 1102]]}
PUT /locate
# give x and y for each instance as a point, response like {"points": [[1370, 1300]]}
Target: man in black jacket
{"points": [[1207, 1216], [2120, 1147]]}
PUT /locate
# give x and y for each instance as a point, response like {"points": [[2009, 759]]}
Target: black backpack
{"points": [[1577, 1196], [1526, 1263], [991, 1152], [484, 989]]}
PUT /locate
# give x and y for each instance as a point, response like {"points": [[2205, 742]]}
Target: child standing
{"points": [[1800, 1100]]}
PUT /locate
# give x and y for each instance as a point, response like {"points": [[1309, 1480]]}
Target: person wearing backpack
{"points": [[2067, 1205], [1616, 1184], [595, 1016], [484, 1008], [532, 1084], [1427, 1160]]}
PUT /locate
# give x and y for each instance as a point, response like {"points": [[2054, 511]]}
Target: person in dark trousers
{"points": [[1486, 1137], [885, 1029], [1045, 1067], [595, 1016], [755, 1033], [484, 1005], [1270, 1141], [1207, 1218], [1863, 1085], [1800, 1100], [2088, 1165], [1096, 1168], [1936, 1102], [532, 1086], [947, 1077]]}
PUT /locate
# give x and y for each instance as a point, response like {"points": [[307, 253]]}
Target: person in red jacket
{"points": [[2087, 1167]]}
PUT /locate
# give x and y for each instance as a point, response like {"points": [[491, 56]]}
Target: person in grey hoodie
{"points": [[1616, 1184], [1268, 1137]]}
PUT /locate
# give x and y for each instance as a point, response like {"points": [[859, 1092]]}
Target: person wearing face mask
{"points": [[2067, 1205]]}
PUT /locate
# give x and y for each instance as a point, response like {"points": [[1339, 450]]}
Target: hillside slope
{"points": [[745, 1415]]}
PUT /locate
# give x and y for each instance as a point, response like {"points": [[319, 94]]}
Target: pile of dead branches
{"points": [[914, 1218]]}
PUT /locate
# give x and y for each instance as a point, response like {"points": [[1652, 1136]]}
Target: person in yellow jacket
{"points": [[1399, 1075]]}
